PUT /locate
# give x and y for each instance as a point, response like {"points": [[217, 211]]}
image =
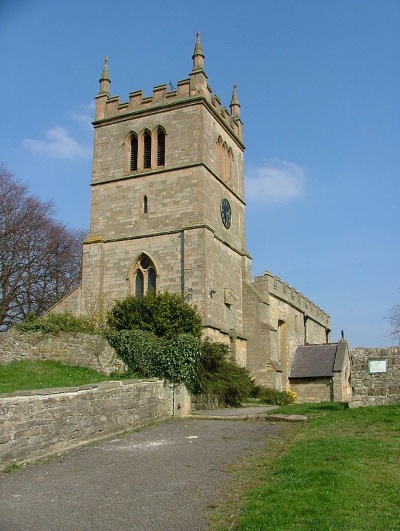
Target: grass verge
{"points": [[23, 375], [340, 472]]}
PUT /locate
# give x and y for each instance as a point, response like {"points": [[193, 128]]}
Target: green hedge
{"points": [[147, 355], [57, 322], [164, 314]]}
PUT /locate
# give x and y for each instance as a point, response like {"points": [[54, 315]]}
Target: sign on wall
{"points": [[377, 366]]}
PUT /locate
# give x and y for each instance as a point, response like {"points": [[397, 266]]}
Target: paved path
{"points": [[160, 478]]}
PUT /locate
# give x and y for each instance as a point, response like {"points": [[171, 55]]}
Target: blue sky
{"points": [[318, 82]]}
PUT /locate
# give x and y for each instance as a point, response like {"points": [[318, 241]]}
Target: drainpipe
{"points": [[305, 328], [332, 391]]}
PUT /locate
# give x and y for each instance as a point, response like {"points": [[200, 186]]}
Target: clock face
{"points": [[226, 213]]}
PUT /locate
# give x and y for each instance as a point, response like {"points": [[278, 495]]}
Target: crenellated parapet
{"points": [[195, 87], [283, 291]]}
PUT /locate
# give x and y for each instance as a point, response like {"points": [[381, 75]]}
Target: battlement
{"points": [[194, 88], [283, 291], [109, 107]]}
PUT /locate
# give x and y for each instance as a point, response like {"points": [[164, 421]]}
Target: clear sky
{"points": [[318, 82]]}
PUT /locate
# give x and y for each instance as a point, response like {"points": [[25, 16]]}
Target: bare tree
{"points": [[394, 321], [40, 258]]}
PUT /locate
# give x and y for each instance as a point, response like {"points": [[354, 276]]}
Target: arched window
{"points": [[144, 277], [160, 148], [145, 205], [224, 156], [229, 168], [225, 161], [134, 153], [139, 283], [147, 150], [151, 280], [219, 157]]}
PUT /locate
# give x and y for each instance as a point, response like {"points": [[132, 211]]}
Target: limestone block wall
{"points": [[294, 318], [35, 424], [312, 390], [375, 388], [262, 352], [66, 347]]}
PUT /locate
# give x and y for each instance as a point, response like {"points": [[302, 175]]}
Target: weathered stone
{"points": [[43, 424], [66, 347], [296, 418], [375, 388]]}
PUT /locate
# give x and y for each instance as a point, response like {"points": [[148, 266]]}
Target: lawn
{"points": [[339, 472], [22, 375]]}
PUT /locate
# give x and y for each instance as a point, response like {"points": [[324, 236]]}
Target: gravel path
{"points": [[160, 478]]}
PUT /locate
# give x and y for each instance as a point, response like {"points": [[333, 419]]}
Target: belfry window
{"points": [[147, 150], [224, 161], [160, 148], [134, 153], [144, 277]]}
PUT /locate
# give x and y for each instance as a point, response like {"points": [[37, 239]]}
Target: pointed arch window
{"points": [[224, 160], [147, 150], [144, 276], [229, 166], [219, 156], [139, 283], [160, 148], [134, 153]]}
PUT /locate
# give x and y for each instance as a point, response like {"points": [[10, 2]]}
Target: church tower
{"points": [[168, 214], [167, 209]]}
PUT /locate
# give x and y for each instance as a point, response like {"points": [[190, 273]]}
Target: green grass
{"points": [[22, 375], [341, 473]]}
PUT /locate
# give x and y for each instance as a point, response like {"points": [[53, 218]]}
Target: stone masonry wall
{"points": [[312, 390], [35, 424], [66, 347], [375, 388]]}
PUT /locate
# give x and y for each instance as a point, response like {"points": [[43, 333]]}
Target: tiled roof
{"points": [[313, 361]]}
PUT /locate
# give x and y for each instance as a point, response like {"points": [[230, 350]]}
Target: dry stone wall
{"points": [[375, 376], [66, 347], [35, 424]]}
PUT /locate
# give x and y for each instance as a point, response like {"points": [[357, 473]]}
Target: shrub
{"points": [[149, 356], [272, 396], [217, 374], [178, 359], [138, 349], [57, 322], [164, 314]]}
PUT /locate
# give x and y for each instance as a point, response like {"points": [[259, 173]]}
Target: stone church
{"points": [[168, 213]]}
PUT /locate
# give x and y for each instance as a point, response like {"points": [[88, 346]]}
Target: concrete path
{"points": [[163, 477]]}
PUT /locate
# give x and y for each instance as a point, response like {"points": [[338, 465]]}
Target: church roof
{"points": [[313, 361]]}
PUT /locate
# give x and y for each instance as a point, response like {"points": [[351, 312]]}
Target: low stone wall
{"points": [[375, 376], [69, 348], [198, 402], [35, 424]]}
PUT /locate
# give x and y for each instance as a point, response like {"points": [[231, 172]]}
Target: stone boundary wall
{"points": [[70, 348], [375, 388], [36, 424]]}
